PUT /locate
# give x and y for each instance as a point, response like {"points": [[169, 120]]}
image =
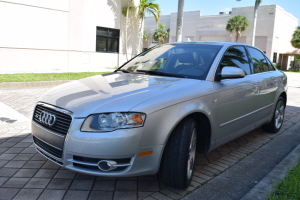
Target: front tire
{"points": [[278, 116], [177, 165]]}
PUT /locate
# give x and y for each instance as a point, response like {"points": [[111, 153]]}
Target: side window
{"points": [[236, 57], [260, 64], [271, 67]]}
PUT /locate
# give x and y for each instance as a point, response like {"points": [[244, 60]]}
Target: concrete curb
{"points": [[266, 186], [18, 85], [240, 179]]}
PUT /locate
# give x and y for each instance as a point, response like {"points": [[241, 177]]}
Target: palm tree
{"points": [[179, 21], [145, 36], [160, 34], [125, 11], [237, 24], [257, 3], [145, 6], [296, 38]]}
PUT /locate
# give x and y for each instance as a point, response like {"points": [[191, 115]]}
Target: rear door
{"points": [[237, 97], [268, 83]]}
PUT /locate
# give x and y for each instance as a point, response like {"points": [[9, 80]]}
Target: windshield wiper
{"points": [[161, 73], [122, 70]]}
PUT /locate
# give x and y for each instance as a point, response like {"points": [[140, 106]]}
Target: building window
{"points": [[275, 57], [107, 40]]}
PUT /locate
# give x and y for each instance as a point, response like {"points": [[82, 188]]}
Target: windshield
{"points": [[180, 60]]}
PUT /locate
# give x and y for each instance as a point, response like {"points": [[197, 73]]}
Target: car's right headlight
{"points": [[112, 121]]}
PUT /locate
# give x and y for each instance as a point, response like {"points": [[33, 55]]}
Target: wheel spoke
{"points": [[279, 115], [192, 154]]}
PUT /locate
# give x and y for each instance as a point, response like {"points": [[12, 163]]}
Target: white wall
{"points": [[32, 27], [214, 27], [285, 25], [189, 28], [60, 35], [33, 38], [274, 27]]}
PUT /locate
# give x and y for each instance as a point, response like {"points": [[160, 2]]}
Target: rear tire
{"points": [[177, 165], [275, 124]]}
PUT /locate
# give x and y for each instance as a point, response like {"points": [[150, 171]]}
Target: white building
{"points": [[274, 29], [65, 35]]}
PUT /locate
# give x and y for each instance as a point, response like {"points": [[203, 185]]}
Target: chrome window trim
{"points": [[241, 117]]}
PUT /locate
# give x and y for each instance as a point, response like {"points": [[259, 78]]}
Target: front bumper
{"points": [[82, 151]]}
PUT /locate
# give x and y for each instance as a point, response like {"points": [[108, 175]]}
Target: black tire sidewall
{"points": [[173, 170]]}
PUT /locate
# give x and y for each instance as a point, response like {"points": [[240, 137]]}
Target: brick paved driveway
{"points": [[24, 174]]}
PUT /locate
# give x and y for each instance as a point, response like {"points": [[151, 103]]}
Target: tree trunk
{"points": [[237, 37], [126, 21], [254, 22], [179, 21], [141, 32]]}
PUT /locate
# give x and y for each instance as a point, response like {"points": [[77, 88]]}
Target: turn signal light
{"points": [[145, 153], [137, 118]]}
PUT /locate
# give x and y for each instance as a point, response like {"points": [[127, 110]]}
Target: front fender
{"points": [[160, 124]]}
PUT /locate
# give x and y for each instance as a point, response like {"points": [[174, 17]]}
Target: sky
{"points": [[213, 7]]}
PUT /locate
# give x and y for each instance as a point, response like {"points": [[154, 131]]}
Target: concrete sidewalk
{"points": [[256, 175]]}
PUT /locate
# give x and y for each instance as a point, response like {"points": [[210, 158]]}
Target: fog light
{"points": [[107, 165]]}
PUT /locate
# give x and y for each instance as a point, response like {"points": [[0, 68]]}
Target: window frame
{"points": [[107, 37], [275, 57], [218, 71], [264, 55]]}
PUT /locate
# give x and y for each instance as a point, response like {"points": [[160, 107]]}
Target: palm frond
{"points": [[126, 9]]}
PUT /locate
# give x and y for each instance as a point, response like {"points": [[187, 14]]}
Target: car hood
{"points": [[113, 92]]}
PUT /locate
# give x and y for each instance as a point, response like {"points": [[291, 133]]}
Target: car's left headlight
{"points": [[112, 121]]}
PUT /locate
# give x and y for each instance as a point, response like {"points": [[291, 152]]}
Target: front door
{"points": [[237, 97]]}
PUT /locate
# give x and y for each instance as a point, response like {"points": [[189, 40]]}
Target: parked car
{"points": [[153, 113]]}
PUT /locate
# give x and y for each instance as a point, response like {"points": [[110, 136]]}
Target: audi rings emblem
{"points": [[47, 118]]}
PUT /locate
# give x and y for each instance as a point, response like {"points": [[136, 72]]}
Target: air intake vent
{"points": [[48, 148]]}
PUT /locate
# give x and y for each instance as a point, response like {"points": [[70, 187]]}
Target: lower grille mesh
{"points": [[46, 147]]}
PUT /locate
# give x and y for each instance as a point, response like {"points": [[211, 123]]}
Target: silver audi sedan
{"points": [[153, 113]]}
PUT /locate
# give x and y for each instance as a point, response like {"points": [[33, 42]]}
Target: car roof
{"points": [[209, 43]]}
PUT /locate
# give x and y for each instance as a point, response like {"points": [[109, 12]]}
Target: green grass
{"points": [[45, 76], [289, 188], [290, 71]]}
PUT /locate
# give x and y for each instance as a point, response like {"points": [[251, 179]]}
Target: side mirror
{"points": [[232, 72]]}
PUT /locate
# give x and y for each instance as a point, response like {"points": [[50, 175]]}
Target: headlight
{"points": [[112, 121]]}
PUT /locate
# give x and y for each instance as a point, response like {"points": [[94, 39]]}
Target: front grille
{"points": [[50, 158], [48, 148], [62, 123]]}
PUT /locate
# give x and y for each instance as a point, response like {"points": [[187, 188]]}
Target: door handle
{"points": [[255, 88]]}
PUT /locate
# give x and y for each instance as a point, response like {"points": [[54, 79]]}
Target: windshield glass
{"points": [[188, 60]]}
